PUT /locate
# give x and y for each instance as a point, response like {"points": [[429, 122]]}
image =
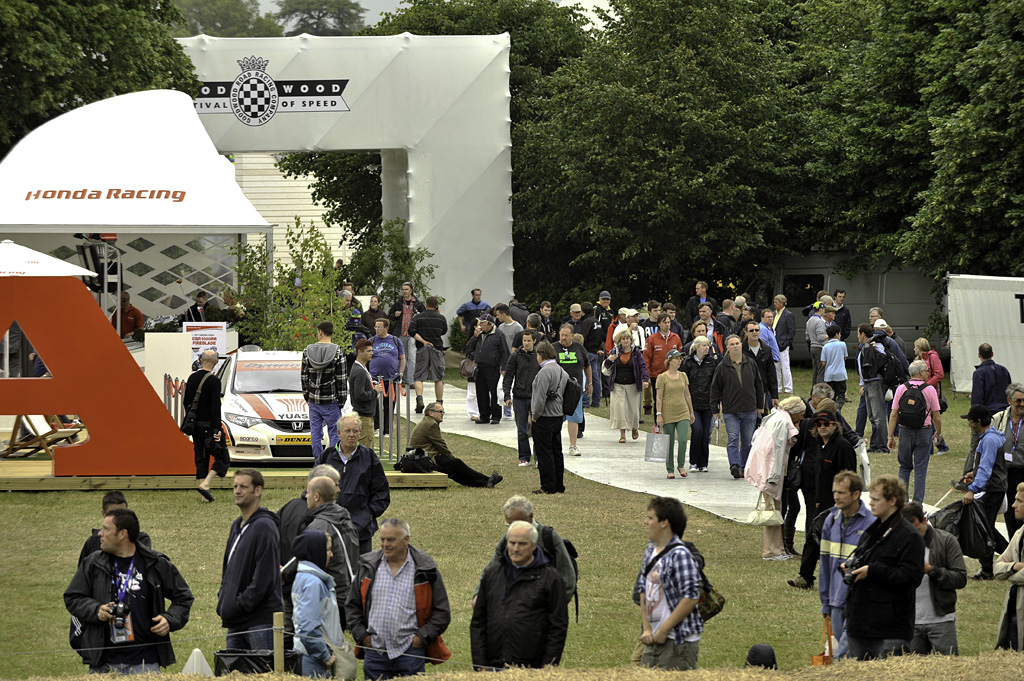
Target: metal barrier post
{"points": [[396, 424], [279, 642], [381, 397], [408, 415]]}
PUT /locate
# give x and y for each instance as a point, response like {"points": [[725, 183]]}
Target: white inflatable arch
{"points": [[437, 108]]}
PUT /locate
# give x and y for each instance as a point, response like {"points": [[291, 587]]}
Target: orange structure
{"points": [[94, 376]]}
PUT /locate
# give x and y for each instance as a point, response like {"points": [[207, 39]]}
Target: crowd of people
{"points": [[314, 559]]}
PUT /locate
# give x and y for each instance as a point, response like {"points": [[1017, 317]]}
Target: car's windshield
{"points": [[265, 376]]}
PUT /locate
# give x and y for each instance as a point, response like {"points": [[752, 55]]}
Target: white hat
{"points": [[880, 324]]}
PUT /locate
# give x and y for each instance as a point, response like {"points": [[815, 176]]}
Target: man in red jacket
{"points": [[657, 349]]}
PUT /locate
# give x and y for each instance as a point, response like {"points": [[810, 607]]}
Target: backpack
{"points": [[571, 395], [913, 408], [871, 361], [548, 543], [893, 371]]}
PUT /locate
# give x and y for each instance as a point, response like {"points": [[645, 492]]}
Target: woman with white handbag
{"points": [[766, 470]]}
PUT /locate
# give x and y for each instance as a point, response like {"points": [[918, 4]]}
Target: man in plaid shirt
{"points": [[324, 386], [669, 591]]}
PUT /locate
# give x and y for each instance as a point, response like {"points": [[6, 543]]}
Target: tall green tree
{"points": [[56, 55], [971, 214], [661, 155], [544, 36], [226, 19], [321, 17]]}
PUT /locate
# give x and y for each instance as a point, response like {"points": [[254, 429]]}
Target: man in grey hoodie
{"points": [[546, 410], [324, 386]]}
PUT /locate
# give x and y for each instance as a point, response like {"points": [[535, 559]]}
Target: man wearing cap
{"points": [[693, 304], [816, 336], [604, 316], [656, 352], [490, 351], [985, 477]]}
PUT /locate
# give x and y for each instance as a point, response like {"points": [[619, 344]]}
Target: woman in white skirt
{"points": [[626, 368]]}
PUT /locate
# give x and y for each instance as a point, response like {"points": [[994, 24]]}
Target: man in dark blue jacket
{"points": [[988, 386], [490, 351], [250, 583], [363, 488]]}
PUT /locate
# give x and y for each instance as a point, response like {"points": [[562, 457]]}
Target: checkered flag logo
{"points": [[254, 95]]}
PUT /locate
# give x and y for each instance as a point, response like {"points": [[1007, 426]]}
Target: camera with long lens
{"points": [[120, 611], [852, 563]]}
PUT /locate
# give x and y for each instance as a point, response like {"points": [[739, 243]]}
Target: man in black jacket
{"points": [[250, 586], [206, 434], [363, 391], [116, 599], [521, 616], [762, 356], [593, 343], [520, 371], [490, 351], [693, 304], [427, 328], [886, 567]]}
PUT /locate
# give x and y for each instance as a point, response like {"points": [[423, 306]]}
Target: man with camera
{"points": [[844, 526], [883, 573], [120, 623]]}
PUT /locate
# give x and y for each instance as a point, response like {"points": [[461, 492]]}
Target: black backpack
{"points": [[548, 543], [913, 408], [893, 372], [871, 361], [571, 395]]}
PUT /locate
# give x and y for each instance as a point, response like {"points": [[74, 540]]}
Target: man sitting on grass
{"points": [[427, 436]]}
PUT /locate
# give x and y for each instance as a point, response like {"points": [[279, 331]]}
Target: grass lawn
{"points": [[459, 527]]}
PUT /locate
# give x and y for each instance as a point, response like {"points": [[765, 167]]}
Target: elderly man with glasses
{"points": [[427, 436]]}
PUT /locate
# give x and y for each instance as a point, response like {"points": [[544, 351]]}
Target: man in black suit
{"points": [[693, 304], [784, 327], [197, 313]]}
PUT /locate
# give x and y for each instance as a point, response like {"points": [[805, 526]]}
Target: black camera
{"points": [[852, 563], [120, 611]]}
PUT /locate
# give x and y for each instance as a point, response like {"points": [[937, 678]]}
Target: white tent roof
{"points": [[142, 161], [18, 261]]}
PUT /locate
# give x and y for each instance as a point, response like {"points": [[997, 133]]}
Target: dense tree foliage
{"points": [[225, 19], [321, 17], [691, 138], [56, 55]]}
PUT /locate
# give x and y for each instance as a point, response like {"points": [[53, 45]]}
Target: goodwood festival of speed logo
{"points": [[254, 93], [255, 97]]}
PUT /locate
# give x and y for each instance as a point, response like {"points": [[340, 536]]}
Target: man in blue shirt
{"points": [[985, 476], [471, 310], [388, 362]]}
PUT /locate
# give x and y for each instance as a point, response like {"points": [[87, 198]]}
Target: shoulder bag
{"points": [[763, 517], [188, 424]]}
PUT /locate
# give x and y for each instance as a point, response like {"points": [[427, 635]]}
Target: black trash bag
{"points": [[975, 536], [948, 517], [968, 524], [253, 661]]}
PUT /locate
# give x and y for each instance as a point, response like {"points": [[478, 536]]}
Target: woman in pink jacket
{"points": [[923, 351]]}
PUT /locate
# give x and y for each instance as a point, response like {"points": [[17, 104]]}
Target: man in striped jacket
{"points": [[846, 521]]}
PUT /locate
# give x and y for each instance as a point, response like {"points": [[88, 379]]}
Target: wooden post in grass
{"points": [[279, 642]]}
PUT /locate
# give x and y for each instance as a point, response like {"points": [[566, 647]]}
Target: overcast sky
{"points": [[375, 7]]}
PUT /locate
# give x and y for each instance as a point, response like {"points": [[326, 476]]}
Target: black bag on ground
{"points": [[253, 661], [415, 461], [913, 408]]}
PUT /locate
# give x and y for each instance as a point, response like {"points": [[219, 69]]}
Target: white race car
{"points": [[263, 408]]}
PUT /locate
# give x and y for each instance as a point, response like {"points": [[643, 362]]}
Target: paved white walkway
{"points": [[607, 461]]}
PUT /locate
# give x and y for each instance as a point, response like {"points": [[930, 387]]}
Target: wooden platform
{"points": [[36, 476]]}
